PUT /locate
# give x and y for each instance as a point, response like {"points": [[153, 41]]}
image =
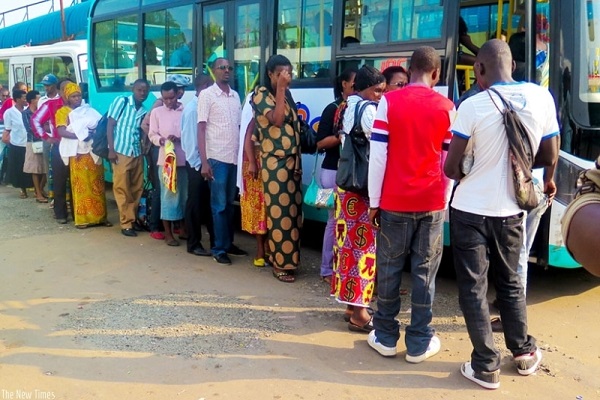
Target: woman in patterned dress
{"points": [[281, 172], [354, 250], [73, 122]]}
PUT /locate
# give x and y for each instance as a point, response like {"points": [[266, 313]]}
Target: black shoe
{"points": [[200, 251], [222, 259], [61, 221], [128, 232], [236, 251], [137, 227]]}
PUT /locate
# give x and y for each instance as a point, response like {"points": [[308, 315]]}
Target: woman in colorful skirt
{"points": [[354, 250], [281, 171], [74, 123]]}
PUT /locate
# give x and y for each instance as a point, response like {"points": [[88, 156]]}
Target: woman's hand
{"points": [[284, 79], [253, 170]]}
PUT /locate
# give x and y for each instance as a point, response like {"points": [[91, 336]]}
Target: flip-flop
{"points": [[366, 328], [23, 195], [173, 243], [42, 200], [348, 315], [259, 262], [283, 276]]}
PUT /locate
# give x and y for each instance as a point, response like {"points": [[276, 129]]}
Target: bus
{"points": [[323, 37], [30, 64]]}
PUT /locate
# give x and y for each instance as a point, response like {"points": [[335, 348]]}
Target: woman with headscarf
{"points": [[74, 123], [281, 172], [354, 250]]}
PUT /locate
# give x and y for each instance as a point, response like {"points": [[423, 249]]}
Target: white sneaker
{"points": [[488, 380], [528, 363], [432, 350], [378, 347]]}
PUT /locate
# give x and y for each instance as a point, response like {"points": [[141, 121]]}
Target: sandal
{"points": [[326, 279], [173, 243], [283, 276], [106, 223], [42, 200], [348, 315], [259, 262], [366, 328], [403, 292], [23, 195]]}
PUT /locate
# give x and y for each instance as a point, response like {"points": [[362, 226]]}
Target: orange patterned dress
{"points": [[87, 183], [252, 202]]}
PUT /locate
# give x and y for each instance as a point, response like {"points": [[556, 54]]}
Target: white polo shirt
{"points": [[13, 121], [488, 188]]}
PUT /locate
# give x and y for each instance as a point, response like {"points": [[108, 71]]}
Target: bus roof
{"points": [[76, 46]]}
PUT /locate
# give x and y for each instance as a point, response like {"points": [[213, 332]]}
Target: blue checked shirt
{"points": [[127, 129]]}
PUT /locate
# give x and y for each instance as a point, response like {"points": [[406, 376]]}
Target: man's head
{"points": [[141, 89], [20, 86], [4, 94], [494, 63], [425, 64], [222, 70], [168, 93], [32, 97], [182, 82], [50, 83], [201, 82], [19, 97]]}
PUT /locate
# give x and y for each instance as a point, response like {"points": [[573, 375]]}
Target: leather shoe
{"points": [[236, 251], [199, 251], [128, 232], [137, 227], [222, 259]]}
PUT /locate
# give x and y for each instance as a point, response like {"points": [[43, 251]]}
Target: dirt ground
{"points": [[58, 283]]}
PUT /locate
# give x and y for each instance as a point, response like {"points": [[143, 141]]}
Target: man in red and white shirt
{"points": [[407, 193], [219, 115]]}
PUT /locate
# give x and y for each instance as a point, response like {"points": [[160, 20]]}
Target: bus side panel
{"points": [[558, 256]]}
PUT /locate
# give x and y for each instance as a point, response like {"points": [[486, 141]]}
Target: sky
{"points": [[34, 11]]}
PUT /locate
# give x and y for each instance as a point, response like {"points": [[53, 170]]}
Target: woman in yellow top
{"points": [[74, 122]]}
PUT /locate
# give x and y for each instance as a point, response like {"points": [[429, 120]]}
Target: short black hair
{"points": [[389, 72], [366, 77], [425, 59], [168, 86], [17, 94], [141, 82], [31, 95]]}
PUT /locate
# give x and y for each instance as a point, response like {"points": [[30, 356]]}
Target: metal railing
{"points": [[25, 9]]}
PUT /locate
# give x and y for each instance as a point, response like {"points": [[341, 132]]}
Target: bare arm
{"points": [[277, 116], [455, 153], [64, 133], [547, 154], [249, 150]]}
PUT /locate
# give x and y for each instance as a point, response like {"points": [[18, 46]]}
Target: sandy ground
{"points": [[52, 273]]}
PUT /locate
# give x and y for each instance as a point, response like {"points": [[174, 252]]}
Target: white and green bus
{"points": [[154, 39]]}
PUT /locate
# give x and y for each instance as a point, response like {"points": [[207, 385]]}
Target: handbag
{"points": [[520, 155], [353, 168], [37, 147], [308, 138], [315, 195]]}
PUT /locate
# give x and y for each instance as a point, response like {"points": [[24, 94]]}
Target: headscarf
{"points": [[71, 88]]}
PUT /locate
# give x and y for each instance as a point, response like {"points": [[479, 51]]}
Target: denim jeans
{"points": [[222, 195], [419, 235], [478, 243], [327, 182], [531, 223]]}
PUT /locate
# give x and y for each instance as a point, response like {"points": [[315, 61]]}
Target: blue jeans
{"points": [[222, 195], [328, 181], [419, 235], [478, 243], [532, 222]]}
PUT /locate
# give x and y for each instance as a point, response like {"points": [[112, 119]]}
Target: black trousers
{"points": [[60, 175], [197, 209]]}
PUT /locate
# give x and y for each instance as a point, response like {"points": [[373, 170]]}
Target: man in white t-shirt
{"points": [[486, 224]]}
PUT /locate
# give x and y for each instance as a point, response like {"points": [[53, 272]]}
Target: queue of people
{"points": [[417, 142]]}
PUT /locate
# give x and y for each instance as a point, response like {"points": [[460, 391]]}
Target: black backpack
{"points": [[353, 167], [100, 141]]}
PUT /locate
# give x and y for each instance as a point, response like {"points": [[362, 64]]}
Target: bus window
{"points": [[115, 51], [56, 65], [168, 44], [376, 21], [214, 43], [4, 73], [246, 53], [304, 30]]}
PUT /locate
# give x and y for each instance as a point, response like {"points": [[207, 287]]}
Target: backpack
{"points": [[353, 168], [100, 141], [520, 155]]}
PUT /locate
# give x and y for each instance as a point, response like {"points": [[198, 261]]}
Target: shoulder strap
{"points": [[358, 112]]}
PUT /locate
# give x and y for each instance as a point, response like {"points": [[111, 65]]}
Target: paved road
{"points": [[90, 314]]}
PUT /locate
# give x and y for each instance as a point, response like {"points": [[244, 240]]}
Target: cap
{"points": [[180, 80], [50, 79]]}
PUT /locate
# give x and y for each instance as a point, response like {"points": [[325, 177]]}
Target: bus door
{"points": [[232, 29]]}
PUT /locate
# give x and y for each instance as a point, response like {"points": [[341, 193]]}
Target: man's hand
{"points": [[550, 190], [375, 216], [207, 172], [174, 138], [112, 156]]}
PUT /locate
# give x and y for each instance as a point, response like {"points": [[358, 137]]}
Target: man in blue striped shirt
{"points": [[125, 153]]}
